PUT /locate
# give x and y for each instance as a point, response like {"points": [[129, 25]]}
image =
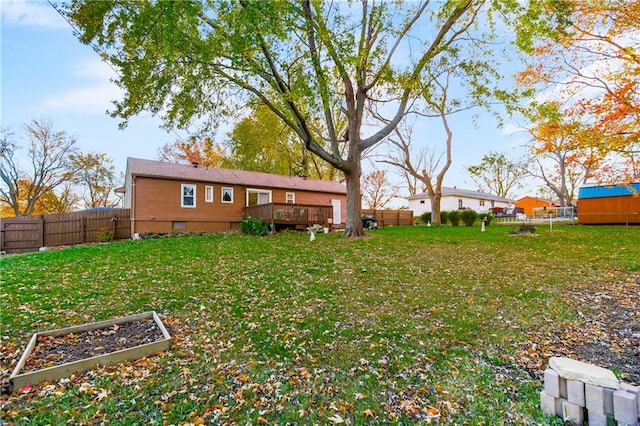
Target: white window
{"points": [[258, 196], [188, 196], [227, 194], [459, 203], [208, 194], [291, 197], [481, 202]]}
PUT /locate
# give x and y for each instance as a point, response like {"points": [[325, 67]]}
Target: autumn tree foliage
{"points": [[592, 69], [96, 178], [378, 190], [262, 142], [45, 166], [203, 151], [564, 151]]}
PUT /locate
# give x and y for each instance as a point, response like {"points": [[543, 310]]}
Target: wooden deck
{"points": [[282, 215]]}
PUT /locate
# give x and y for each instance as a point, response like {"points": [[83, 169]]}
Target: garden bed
{"points": [[55, 354]]}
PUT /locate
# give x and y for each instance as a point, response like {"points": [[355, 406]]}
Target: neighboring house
{"points": [[609, 204], [458, 199], [528, 204], [167, 197]]}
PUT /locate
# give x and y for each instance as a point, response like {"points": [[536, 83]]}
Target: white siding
{"points": [[448, 203]]}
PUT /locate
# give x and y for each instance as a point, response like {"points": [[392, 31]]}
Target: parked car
{"points": [[369, 221], [516, 212]]}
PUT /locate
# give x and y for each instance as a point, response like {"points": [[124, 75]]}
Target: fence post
{"points": [[84, 229], [41, 231]]}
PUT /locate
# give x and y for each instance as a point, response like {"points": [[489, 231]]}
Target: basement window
{"points": [[178, 225]]}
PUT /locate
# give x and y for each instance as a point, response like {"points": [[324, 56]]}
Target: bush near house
{"points": [[468, 217], [454, 217], [425, 217], [444, 217], [253, 226]]}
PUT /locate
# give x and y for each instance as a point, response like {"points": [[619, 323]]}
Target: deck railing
{"points": [[293, 214]]}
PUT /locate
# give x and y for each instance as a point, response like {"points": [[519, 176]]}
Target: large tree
{"points": [[46, 165], [559, 155], [377, 190], [593, 71], [262, 142], [96, 176], [314, 64], [498, 174]]}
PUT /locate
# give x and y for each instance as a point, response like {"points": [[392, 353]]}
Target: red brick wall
{"points": [[157, 205]]}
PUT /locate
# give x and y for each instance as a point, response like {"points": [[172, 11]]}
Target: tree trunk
{"points": [[435, 210], [354, 199]]}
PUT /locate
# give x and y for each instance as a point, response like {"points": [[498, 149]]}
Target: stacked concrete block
{"points": [[579, 392]]}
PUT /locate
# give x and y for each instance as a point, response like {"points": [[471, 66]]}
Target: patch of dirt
{"points": [[607, 335], [50, 351]]}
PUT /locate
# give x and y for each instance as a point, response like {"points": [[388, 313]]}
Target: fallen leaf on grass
{"points": [[336, 419]]}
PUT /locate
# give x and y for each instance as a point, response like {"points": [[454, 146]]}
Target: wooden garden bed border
{"points": [[17, 380]]}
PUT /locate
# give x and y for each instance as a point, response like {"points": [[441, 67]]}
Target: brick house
{"points": [[165, 197]]}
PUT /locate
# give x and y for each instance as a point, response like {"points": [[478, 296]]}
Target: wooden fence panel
{"points": [[21, 234], [391, 217], [32, 232]]}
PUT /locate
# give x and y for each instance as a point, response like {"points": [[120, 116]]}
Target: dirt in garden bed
{"points": [[51, 351], [607, 333]]}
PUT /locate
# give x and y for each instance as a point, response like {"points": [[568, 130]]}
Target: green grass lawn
{"points": [[410, 324]]}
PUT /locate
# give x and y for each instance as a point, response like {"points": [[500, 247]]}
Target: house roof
{"points": [[609, 191], [541, 200], [162, 169], [457, 192]]}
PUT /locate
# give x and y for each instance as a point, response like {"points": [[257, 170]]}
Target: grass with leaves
{"points": [[409, 324]]}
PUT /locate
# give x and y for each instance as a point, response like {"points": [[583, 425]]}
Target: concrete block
{"points": [[575, 392], [608, 401], [598, 419], [627, 387], [563, 387], [552, 383], [572, 369], [632, 389], [625, 408], [559, 409], [572, 413], [547, 403], [597, 399]]}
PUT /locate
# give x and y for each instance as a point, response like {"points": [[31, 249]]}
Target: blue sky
{"points": [[47, 74]]}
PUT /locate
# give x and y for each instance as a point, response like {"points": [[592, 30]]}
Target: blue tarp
{"points": [[609, 191]]}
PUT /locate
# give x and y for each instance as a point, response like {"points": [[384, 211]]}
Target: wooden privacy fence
{"points": [[29, 233], [391, 217]]}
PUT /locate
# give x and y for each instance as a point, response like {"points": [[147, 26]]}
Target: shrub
{"points": [[105, 235], [444, 217], [454, 217], [425, 217], [252, 226], [468, 216]]}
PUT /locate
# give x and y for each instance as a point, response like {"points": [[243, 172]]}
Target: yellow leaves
{"points": [[368, 413]]}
